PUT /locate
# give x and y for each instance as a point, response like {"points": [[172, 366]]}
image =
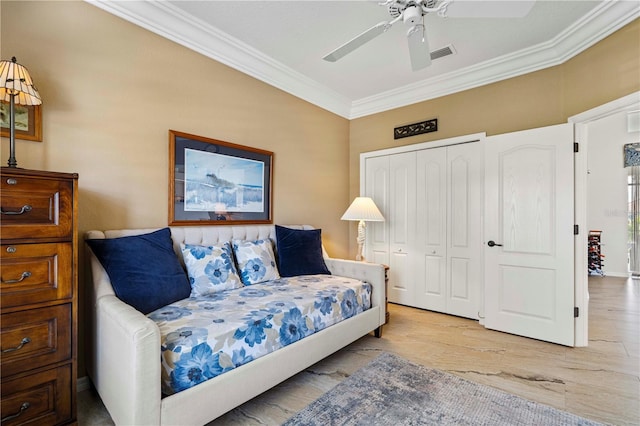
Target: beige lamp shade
{"points": [[16, 83], [362, 209]]}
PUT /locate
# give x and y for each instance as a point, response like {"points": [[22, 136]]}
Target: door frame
{"points": [[581, 122]]}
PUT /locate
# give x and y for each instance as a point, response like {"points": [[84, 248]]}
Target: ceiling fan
{"points": [[412, 13]]}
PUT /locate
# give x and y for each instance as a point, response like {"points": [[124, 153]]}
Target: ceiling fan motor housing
{"points": [[412, 15]]}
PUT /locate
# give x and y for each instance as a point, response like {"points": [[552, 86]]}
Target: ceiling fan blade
{"points": [[357, 41], [418, 47]]}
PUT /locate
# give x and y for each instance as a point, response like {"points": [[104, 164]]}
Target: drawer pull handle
{"points": [[24, 341], [25, 209], [25, 274], [23, 407]]}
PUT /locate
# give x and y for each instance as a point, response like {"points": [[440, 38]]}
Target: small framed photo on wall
{"points": [[28, 121]]}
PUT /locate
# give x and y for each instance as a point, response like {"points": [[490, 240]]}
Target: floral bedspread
{"points": [[203, 337]]}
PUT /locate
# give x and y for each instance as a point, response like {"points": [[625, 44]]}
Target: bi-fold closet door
{"points": [[431, 239]]}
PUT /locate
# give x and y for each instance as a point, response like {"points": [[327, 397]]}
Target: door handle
{"points": [[492, 243]]}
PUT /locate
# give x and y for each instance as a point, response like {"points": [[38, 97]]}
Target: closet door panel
{"points": [[460, 287], [464, 189], [400, 283], [402, 214], [400, 211], [431, 284], [459, 193], [377, 187], [431, 226]]}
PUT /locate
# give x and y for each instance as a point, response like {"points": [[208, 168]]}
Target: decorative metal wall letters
{"points": [[416, 129]]}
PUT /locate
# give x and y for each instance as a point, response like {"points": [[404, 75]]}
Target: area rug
{"points": [[393, 391]]}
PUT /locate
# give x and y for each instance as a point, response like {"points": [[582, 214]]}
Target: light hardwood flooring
{"points": [[600, 382]]}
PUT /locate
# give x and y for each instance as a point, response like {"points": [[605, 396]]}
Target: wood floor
{"points": [[600, 382]]}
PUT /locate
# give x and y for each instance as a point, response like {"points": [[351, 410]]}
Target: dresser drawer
{"points": [[34, 338], [39, 399], [33, 273], [36, 208]]}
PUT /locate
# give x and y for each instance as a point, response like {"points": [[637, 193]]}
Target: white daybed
{"points": [[123, 358]]}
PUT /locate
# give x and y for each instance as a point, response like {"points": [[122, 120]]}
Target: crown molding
{"points": [[170, 22]]}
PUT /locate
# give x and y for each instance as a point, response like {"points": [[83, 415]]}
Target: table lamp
{"points": [[362, 209], [16, 87]]}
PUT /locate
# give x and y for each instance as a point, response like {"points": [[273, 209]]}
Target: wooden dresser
{"points": [[38, 297]]}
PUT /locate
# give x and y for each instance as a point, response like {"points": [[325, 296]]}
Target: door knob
{"points": [[492, 243]]}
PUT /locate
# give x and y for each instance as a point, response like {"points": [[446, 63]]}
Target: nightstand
{"points": [[386, 292]]}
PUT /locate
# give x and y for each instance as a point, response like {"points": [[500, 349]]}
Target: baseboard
{"points": [[83, 384]]}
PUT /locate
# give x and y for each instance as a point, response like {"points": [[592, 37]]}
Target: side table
{"points": [[386, 292]]}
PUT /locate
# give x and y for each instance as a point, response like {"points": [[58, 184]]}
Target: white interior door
{"points": [[529, 276]]}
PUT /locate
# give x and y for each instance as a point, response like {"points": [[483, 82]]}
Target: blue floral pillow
{"points": [[210, 268], [256, 261]]}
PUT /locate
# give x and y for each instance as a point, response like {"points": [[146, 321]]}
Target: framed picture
{"points": [[217, 183], [28, 121]]}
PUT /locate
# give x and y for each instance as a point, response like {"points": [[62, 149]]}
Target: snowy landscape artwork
{"points": [[222, 183]]}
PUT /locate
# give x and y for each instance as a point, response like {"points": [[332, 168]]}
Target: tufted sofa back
{"points": [[205, 235]]}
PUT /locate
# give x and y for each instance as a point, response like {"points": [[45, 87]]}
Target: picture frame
{"points": [[214, 182], [28, 121]]}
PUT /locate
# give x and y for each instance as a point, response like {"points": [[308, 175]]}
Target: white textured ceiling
{"points": [[283, 42]]}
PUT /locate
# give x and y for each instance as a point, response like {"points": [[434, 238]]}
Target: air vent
{"points": [[442, 52]]}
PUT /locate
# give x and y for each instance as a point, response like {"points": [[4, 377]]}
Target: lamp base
{"points": [[360, 240], [12, 132]]}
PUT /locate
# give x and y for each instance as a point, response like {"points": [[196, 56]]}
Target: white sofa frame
{"points": [[123, 345]]}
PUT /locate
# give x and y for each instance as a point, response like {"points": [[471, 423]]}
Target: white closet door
{"points": [[431, 230], [402, 218], [377, 187], [464, 206]]}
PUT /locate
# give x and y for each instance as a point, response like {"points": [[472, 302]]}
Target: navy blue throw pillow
{"points": [[144, 270], [300, 252]]}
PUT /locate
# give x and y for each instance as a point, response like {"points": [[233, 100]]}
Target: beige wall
{"points": [[112, 90]]}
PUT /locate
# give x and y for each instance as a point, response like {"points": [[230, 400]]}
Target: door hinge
{"points": [[576, 229], [576, 147], [576, 312]]}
